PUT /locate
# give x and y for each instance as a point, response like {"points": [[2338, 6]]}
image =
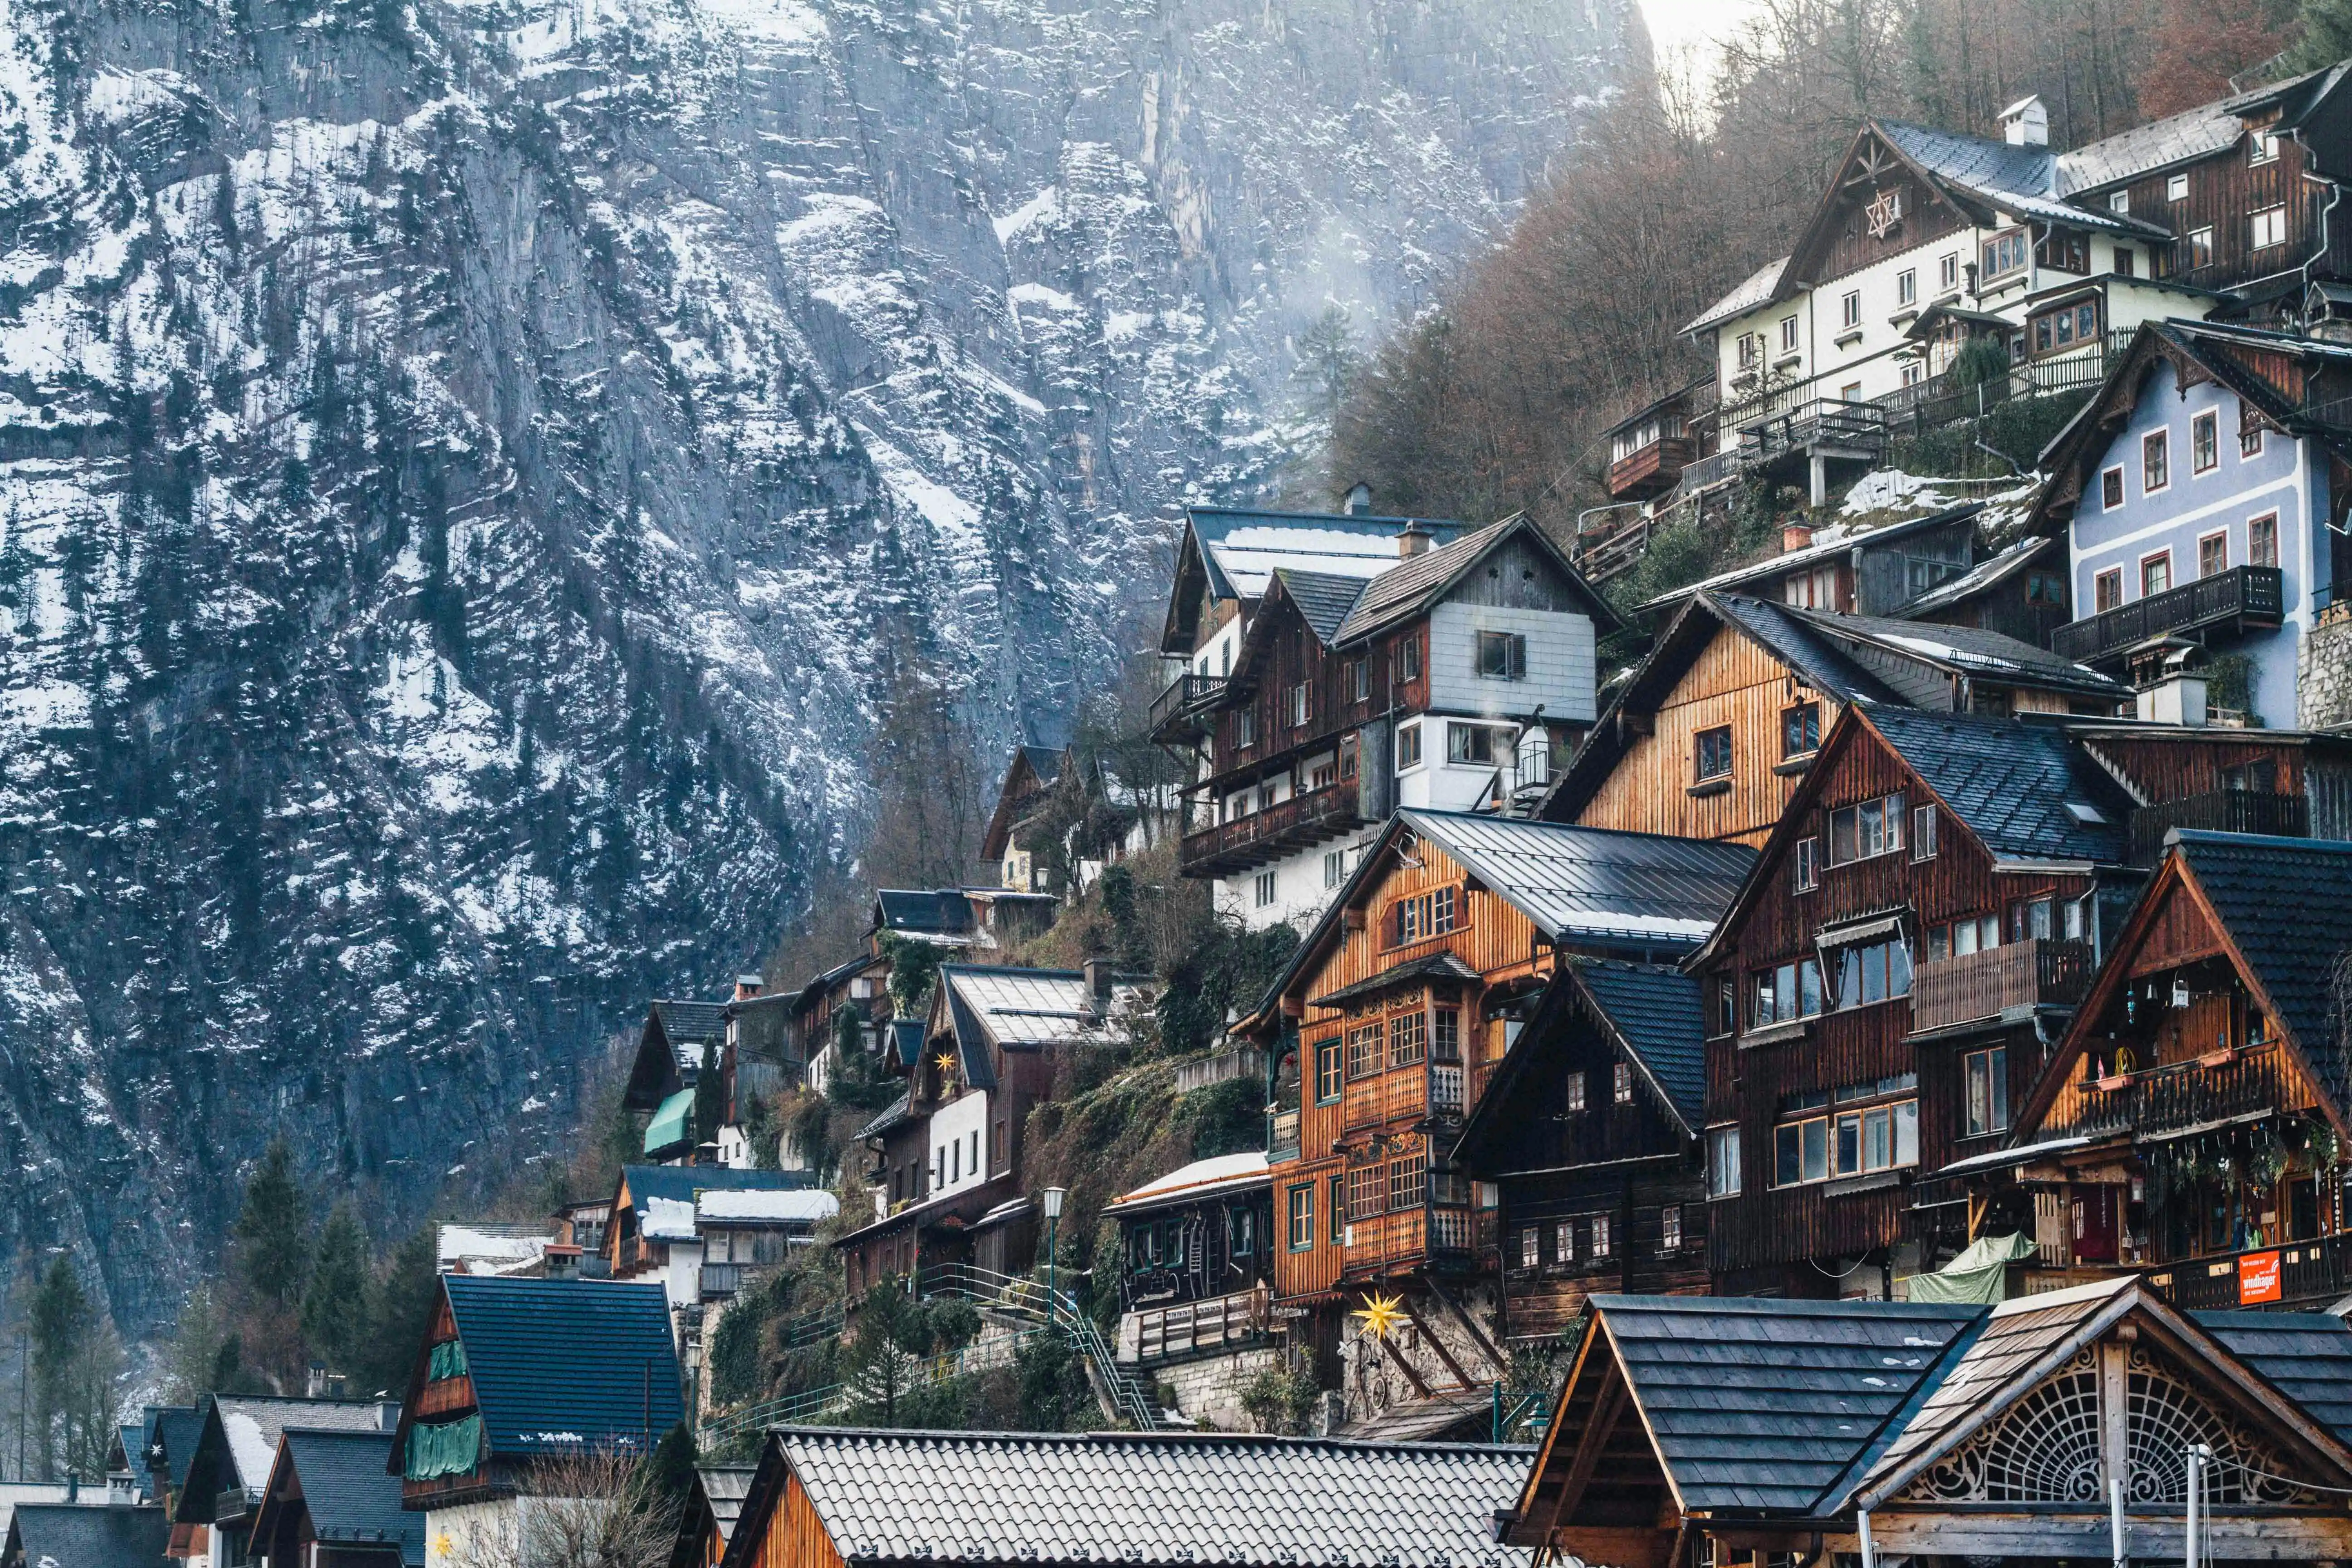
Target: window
{"points": [[2045, 588], [1245, 728], [1601, 1238], [1869, 973], [1302, 1217], [1263, 888], [2155, 461], [1670, 1228], [2119, 201], [1785, 994], [2111, 489], [2261, 147], [1906, 287], [1723, 1162], [1846, 1143], [1327, 1071], [1726, 1005], [1788, 334], [1713, 759], [1751, 349], [2155, 573], [1408, 747], [1800, 729], [2123, 268], [1408, 659], [1805, 866], [1503, 655], [1621, 1084], [1408, 1181], [1408, 1039], [1850, 309], [1359, 680], [1418, 919], [1923, 833], [2201, 247], [1529, 1244], [2205, 442], [1244, 1227], [1573, 1097], [2262, 540], [1338, 1210], [1348, 745], [2176, 189], [1445, 1035], [1988, 1090], [1947, 270], [1476, 743], [2033, 920], [1295, 705], [2267, 227], [2250, 437], [1334, 868], [1956, 938], [2108, 589], [1563, 1242], [1860, 832], [1368, 1192], [1850, 393], [1914, 373], [2213, 555], [2005, 253], [1364, 1051]]}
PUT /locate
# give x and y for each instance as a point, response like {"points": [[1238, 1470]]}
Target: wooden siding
{"points": [[2224, 191], [792, 1535], [1749, 1082], [1733, 682], [1926, 217], [1538, 1302], [1294, 654], [2168, 768]]}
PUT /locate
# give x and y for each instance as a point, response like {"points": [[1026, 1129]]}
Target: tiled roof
{"points": [[1323, 600], [1223, 1173], [680, 1183], [890, 1115], [76, 1535], [1030, 1007], [351, 1498], [1969, 651], [559, 1365], [1595, 883], [1125, 1497], [1241, 548], [250, 1426], [1817, 661], [1757, 1403], [1757, 289], [179, 1427], [2288, 905], [1420, 580], [689, 1025], [1657, 1013], [2308, 1356], [1986, 573], [2024, 790]]}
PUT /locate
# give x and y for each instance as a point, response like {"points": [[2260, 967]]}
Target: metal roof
{"points": [[1149, 1497], [941, 912], [1989, 573], [1445, 965], [563, 1364], [1784, 633], [1656, 1013], [1595, 883], [803, 1206], [1241, 548], [680, 1184], [251, 1425], [1829, 543], [1968, 650], [1757, 289], [1021, 1008], [2020, 179], [1201, 1178], [2288, 905], [2014, 786]]}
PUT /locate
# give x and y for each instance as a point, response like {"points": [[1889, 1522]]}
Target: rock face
{"points": [[468, 472]]}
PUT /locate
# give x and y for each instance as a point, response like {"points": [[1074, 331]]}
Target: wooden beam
{"points": [[1437, 1344], [1618, 1548], [1607, 1406], [1404, 1366], [1494, 1357], [2264, 1539]]}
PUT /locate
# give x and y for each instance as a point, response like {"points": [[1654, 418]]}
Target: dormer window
{"points": [[2119, 201]]}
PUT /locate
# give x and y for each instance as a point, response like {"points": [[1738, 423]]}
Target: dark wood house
{"points": [[331, 1504], [1590, 1131], [1195, 1259], [706, 1520], [229, 1469]]}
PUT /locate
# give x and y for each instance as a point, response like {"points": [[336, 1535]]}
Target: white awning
{"points": [[2001, 1159], [1870, 928]]}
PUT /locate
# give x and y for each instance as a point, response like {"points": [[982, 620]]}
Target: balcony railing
{"points": [[1998, 982], [1241, 841], [2315, 1271], [1201, 1325], [1387, 1241], [1821, 422], [1284, 1138], [722, 1281], [1450, 1231], [2243, 595], [1383, 1098], [1446, 1089], [2228, 1086], [2220, 811], [1182, 711]]}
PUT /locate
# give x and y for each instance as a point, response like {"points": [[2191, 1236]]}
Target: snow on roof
{"points": [[1200, 1177], [1756, 289], [668, 1219], [1033, 1007], [491, 1243], [1248, 555], [807, 1204]]}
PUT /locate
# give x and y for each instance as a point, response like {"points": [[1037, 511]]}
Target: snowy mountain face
{"points": [[468, 471]]}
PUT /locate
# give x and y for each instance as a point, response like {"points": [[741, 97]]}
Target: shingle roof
{"points": [[2192, 133], [179, 1427], [1833, 542], [2288, 905], [1420, 579], [562, 1363], [1658, 1015], [679, 1184], [890, 1115], [723, 1487], [689, 1025], [2021, 788], [1764, 1404], [1969, 651], [251, 1424], [1045, 762], [2308, 1356], [1431, 966], [1991, 571], [1125, 1497], [1595, 883], [1819, 662], [1323, 600], [75, 1536], [348, 1493]]}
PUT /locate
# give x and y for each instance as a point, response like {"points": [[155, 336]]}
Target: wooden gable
{"points": [[1878, 203], [1597, 1490]]}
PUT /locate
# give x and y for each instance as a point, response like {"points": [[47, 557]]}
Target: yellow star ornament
{"points": [[442, 1543], [944, 1062], [1379, 1314]]}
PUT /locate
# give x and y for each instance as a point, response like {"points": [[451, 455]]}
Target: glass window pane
{"points": [[1907, 1133], [1842, 837], [1874, 972], [1997, 1067], [1898, 969], [1786, 1166], [1849, 1145], [1784, 988], [1809, 983], [1977, 1106], [1817, 1149], [1877, 1139]]}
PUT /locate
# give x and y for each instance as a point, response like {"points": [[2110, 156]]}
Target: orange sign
{"points": [[2258, 1277]]}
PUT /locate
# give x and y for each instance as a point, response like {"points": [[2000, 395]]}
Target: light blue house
{"points": [[2202, 493]]}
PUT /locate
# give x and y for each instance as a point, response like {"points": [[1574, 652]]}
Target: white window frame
{"points": [[1408, 739], [2176, 188], [1906, 286], [2266, 228], [2261, 147], [1789, 334], [2210, 420], [1723, 1174], [1948, 269], [1923, 833], [1262, 890], [2119, 201], [1850, 309]]}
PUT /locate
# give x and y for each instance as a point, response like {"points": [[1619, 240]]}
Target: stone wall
{"points": [[1373, 1383], [1208, 1388], [2323, 675]]}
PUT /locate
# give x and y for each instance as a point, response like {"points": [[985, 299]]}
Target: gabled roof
{"points": [[2287, 904], [1142, 1498], [1829, 543], [1982, 577], [1421, 580], [239, 1442], [1758, 287], [1215, 1177], [1446, 965], [179, 1428], [563, 1364], [691, 1026], [1594, 884], [723, 1487], [1323, 600], [73, 1535], [1650, 1015], [939, 913], [1969, 651], [346, 1489], [2022, 181], [1231, 553], [808, 996], [1025, 1009], [2024, 790], [891, 1115], [671, 1047]]}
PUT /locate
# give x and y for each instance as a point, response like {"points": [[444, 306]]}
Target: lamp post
{"points": [[1054, 1196]]}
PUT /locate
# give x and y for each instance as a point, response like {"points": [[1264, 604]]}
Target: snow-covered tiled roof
{"points": [[1033, 1006], [667, 1219], [807, 1204], [1755, 290], [1198, 1179]]}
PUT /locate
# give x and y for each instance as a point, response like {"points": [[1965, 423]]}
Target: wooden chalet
{"points": [[330, 1502], [1195, 1259], [1030, 781], [677, 1039], [828, 1497], [2058, 1427], [2192, 1125], [512, 1373], [229, 1470], [1711, 735], [713, 1502], [1650, 447], [2018, 590], [1590, 1132], [59, 1534], [652, 1208], [1384, 1028]]}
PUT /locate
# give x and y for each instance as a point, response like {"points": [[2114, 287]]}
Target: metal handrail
{"points": [[1021, 1296]]}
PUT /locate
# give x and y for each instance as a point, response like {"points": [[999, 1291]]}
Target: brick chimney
{"points": [[746, 987], [562, 1260], [1795, 536], [1097, 999], [1414, 540]]}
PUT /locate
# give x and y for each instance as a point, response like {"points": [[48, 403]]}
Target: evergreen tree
{"points": [[402, 1302], [60, 1325], [335, 1307], [273, 1230], [2327, 34], [673, 1466], [709, 1098], [1326, 358]]}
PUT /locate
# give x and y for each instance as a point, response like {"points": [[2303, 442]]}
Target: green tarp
{"points": [[672, 1124], [1977, 1275], [452, 1448], [446, 1359]]}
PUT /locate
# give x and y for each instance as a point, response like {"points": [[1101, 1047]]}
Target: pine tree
{"points": [[60, 1327], [273, 1230], [401, 1302], [335, 1307], [1326, 358], [709, 1098]]}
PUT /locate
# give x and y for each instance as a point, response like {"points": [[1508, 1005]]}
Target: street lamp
{"points": [[1054, 1196]]}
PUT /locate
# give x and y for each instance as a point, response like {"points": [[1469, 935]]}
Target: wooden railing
{"points": [[2220, 811], [1182, 709], [1832, 421], [1284, 1138], [1997, 982], [2255, 594], [1266, 834], [2316, 1271], [2226, 1085], [1450, 1230], [1201, 1325], [1445, 1085], [1382, 1097], [1387, 1240]]}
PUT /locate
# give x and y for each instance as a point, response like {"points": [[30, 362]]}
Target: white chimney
{"points": [[1358, 502], [2025, 123], [2172, 693]]}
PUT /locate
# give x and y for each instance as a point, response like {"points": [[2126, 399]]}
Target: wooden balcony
{"points": [[1241, 841], [1653, 470], [2234, 600], [2220, 811], [1180, 1330], [1385, 1243], [1282, 1139], [2306, 1271], [1999, 984], [1385, 1097], [1829, 425], [1183, 711], [2213, 1091]]}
